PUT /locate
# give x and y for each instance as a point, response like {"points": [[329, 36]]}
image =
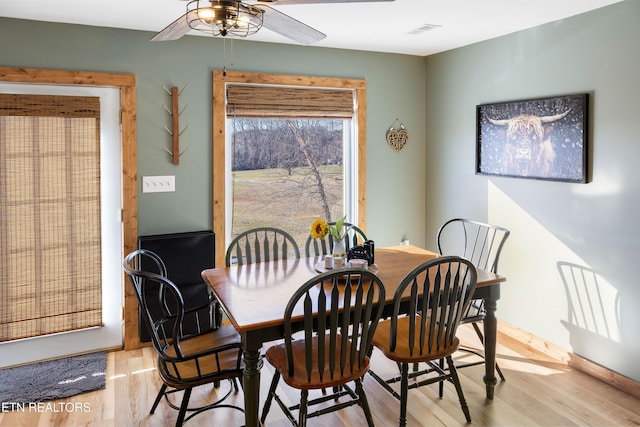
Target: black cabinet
{"points": [[185, 255]]}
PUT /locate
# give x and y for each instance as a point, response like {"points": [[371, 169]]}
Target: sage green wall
{"points": [[395, 89], [594, 226]]}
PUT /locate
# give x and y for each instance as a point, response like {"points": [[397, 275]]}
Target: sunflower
{"points": [[319, 229]]}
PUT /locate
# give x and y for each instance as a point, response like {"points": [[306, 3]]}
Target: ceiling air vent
{"points": [[424, 28]]}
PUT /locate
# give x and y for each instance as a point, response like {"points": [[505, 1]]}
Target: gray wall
{"points": [[591, 226], [395, 89]]}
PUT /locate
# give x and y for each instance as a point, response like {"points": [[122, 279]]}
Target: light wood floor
{"points": [[539, 391]]}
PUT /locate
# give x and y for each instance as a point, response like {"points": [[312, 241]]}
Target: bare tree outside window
{"points": [[286, 173]]}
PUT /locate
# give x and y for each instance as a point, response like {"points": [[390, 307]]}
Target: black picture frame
{"points": [[543, 138]]}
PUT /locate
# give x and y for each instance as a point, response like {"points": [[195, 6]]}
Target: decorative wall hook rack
{"points": [[397, 138], [175, 131]]}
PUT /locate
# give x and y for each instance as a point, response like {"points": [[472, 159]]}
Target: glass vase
{"points": [[339, 250]]}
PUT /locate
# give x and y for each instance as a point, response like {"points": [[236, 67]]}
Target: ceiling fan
{"points": [[240, 19]]}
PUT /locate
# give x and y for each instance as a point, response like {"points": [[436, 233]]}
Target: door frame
{"points": [[127, 85]]}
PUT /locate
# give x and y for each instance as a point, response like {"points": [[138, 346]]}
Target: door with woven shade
{"points": [[62, 236]]}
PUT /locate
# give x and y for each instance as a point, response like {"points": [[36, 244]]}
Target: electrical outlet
{"points": [[158, 184]]}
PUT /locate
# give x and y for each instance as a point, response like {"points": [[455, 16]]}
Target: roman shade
{"points": [[50, 253], [266, 101]]}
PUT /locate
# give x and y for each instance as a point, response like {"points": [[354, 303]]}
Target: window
{"points": [[299, 132], [287, 149]]}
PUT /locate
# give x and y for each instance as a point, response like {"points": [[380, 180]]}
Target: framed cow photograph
{"points": [[543, 138]]}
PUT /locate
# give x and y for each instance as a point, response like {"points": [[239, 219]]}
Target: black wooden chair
{"points": [[434, 296], [353, 236], [481, 244], [261, 244], [185, 360], [338, 312]]}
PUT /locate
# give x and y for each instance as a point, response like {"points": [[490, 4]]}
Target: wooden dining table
{"points": [[254, 297]]}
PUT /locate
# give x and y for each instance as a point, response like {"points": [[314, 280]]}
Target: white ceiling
{"points": [[380, 27]]}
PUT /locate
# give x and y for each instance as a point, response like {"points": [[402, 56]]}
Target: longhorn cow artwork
{"points": [[539, 139]]}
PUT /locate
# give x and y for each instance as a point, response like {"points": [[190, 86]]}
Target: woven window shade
{"points": [[50, 253], [288, 102]]}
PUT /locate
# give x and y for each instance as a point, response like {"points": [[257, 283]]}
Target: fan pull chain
{"points": [[224, 69]]}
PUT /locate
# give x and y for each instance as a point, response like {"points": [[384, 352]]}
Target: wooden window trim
{"points": [[220, 79]]}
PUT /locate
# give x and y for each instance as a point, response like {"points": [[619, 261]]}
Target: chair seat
{"points": [[276, 355], [402, 351], [205, 363]]}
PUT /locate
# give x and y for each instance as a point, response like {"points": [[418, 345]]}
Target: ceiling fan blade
{"points": [[285, 2], [176, 29], [289, 27]]}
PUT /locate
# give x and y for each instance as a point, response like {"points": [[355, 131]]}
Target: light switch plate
{"points": [[158, 184]]}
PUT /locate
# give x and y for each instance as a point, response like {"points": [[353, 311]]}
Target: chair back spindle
{"points": [[343, 329], [439, 292], [478, 242], [262, 244]]}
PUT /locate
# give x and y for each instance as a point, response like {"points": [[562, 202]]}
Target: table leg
{"points": [[490, 338], [251, 384]]}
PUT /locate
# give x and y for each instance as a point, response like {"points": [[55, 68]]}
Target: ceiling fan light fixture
{"points": [[223, 17]]}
